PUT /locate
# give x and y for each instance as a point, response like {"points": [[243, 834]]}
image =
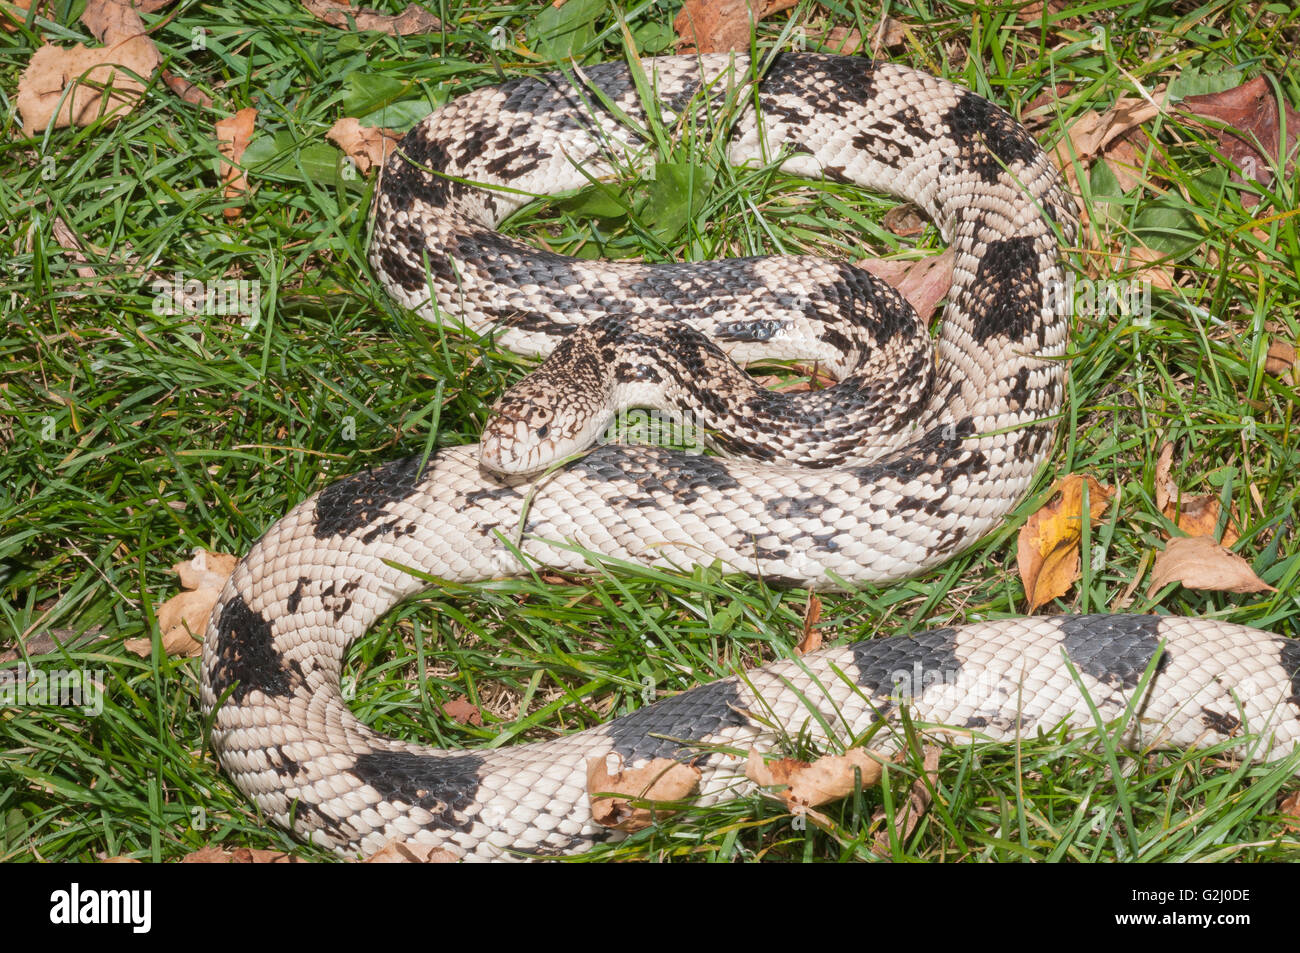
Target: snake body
{"points": [[919, 486]]}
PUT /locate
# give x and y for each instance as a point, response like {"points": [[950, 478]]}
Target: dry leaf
{"points": [[410, 852], [889, 34], [340, 14], [662, 780], [233, 136], [72, 245], [827, 779], [1198, 562], [1089, 135], [367, 146], [106, 82], [924, 282], [184, 616], [1048, 546], [206, 569], [918, 802], [238, 855], [812, 637], [717, 26], [461, 710], [1251, 132], [13, 13], [1147, 263], [905, 220], [1290, 811], [1123, 161], [1281, 360], [842, 40], [186, 90], [1194, 515]]}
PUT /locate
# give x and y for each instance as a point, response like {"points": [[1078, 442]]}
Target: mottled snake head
{"points": [[528, 433]]}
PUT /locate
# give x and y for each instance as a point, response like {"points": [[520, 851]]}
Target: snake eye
{"points": [[543, 430]]}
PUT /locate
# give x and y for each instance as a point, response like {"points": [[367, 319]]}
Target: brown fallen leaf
{"points": [[889, 34], [13, 13], [905, 220], [239, 855], [1281, 360], [918, 802], [924, 282], [1194, 515], [1124, 163], [1198, 562], [85, 83], [613, 788], [812, 637], [717, 26], [1048, 546], [186, 90], [838, 39], [367, 146], [1091, 134], [339, 13], [233, 136], [1289, 808], [1149, 264], [464, 712], [72, 245], [1251, 130], [409, 852], [184, 617], [829, 778]]}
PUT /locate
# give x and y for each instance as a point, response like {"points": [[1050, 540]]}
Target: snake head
{"points": [[529, 432]]}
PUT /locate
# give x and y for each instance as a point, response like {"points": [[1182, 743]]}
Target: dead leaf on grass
{"points": [[184, 617], [612, 788], [1289, 808], [918, 802], [233, 136], [923, 282], [1194, 515], [1090, 134], [1251, 130], [367, 146], [1198, 562], [812, 636], [1048, 546], [1281, 360], [409, 852], [339, 13], [717, 26], [186, 90], [86, 83], [72, 245], [1149, 264], [462, 710], [829, 778], [238, 855]]}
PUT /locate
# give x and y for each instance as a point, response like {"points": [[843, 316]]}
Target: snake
{"points": [[953, 434]]}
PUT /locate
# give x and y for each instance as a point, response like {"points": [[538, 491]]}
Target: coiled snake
{"points": [[925, 482]]}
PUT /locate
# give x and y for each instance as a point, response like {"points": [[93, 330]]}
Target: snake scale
{"points": [[922, 485]]}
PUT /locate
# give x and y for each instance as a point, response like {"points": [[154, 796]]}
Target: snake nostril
{"points": [[543, 431]]}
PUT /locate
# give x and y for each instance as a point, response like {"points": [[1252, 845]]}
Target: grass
{"points": [[133, 437]]}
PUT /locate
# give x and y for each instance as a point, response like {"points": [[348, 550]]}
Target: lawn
{"points": [[140, 425]]}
